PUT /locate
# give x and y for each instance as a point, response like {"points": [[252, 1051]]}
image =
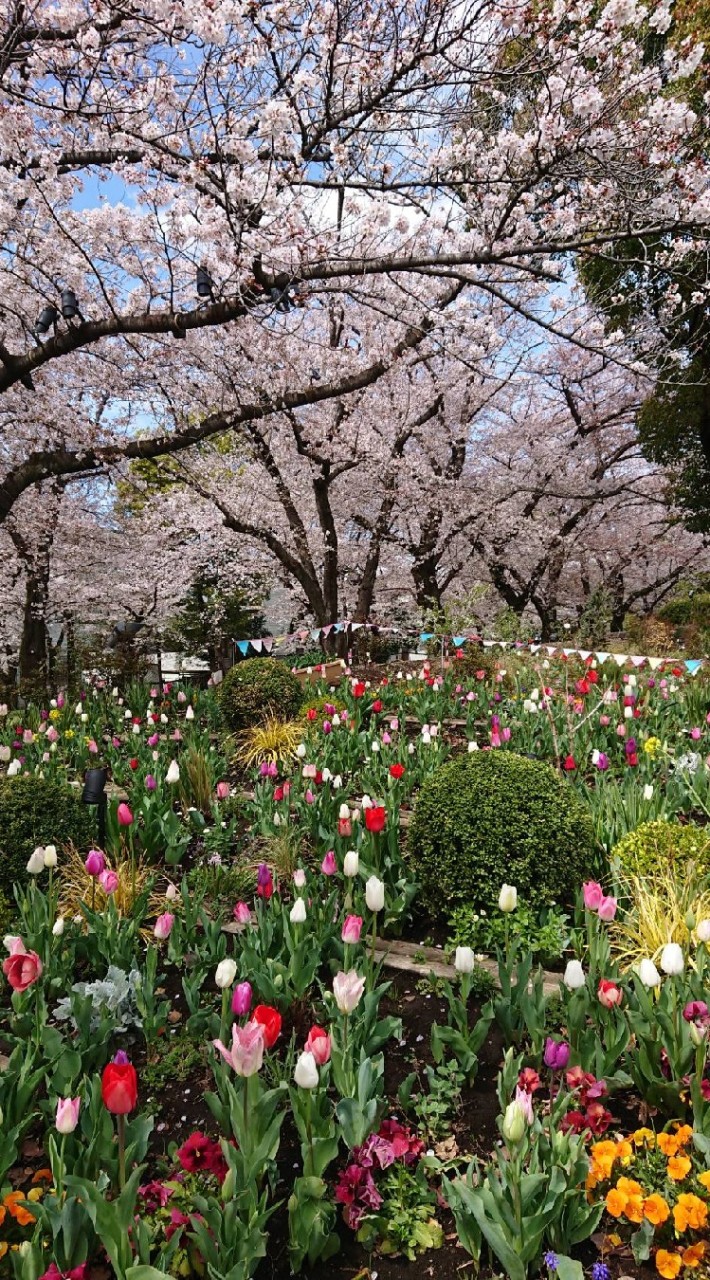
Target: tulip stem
{"points": [[121, 1126], [245, 1117], [223, 1019], [38, 1017], [374, 940], [309, 1136]]}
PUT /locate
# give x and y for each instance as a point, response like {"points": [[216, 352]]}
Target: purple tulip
{"points": [[150, 783], [327, 727], [556, 1054], [241, 999]]}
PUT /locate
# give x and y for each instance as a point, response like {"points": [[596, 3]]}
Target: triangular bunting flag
{"points": [[693, 665], [655, 663], [488, 644], [426, 635], [243, 646], [458, 641], [256, 645], [551, 649], [338, 626], [327, 630], [621, 659], [355, 626], [637, 660], [601, 656], [268, 643], [568, 652], [315, 633], [584, 654], [534, 648]]}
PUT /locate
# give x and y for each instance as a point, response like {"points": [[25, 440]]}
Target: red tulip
{"points": [[377, 705], [358, 689], [375, 818], [119, 1085], [270, 1019], [569, 763], [133, 764], [21, 968], [319, 1044], [397, 771]]}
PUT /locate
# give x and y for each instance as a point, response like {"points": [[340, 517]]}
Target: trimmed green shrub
{"points": [[659, 845], [494, 817], [38, 811], [256, 689]]}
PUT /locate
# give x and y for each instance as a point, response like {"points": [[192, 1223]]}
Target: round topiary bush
{"points": [[661, 845], [38, 811], [491, 818], [256, 689]]}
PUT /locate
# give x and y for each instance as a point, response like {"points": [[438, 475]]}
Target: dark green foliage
{"points": [[256, 689], [36, 811], [492, 818]]}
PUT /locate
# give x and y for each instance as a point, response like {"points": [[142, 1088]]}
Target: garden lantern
{"points": [[70, 306], [94, 793]]}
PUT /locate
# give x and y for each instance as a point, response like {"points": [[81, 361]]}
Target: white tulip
{"points": [[13, 768], [648, 791], [298, 912], [189, 714], [472, 746], [306, 1071], [344, 813], [672, 961], [78, 708], [648, 974], [508, 898], [173, 774], [171, 892], [351, 863], [35, 863], [366, 802], [464, 961], [135, 730], [327, 775], [58, 927], [411, 749], [374, 894], [301, 750], [225, 973], [628, 713], [375, 747], [128, 714], [163, 718], [84, 717], [573, 977], [114, 692], [337, 782], [426, 739], [50, 856], [703, 930]]}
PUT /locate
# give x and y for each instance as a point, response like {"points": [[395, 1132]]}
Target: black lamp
{"points": [[93, 793], [48, 316], [70, 306], [205, 285]]}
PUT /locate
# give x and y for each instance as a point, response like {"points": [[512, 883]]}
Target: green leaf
{"points": [[568, 1269]]}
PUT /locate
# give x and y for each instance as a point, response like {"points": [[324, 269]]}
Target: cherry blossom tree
{"points": [[288, 162]]}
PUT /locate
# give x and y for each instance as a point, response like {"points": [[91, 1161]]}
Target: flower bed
{"points": [[179, 1098]]}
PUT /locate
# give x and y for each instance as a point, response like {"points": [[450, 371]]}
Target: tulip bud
{"points": [[35, 864], [173, 774], [465, 960], [508, 898], [374, 894], [50, 856], [573, 977], [225, 973], [703, 930], [648, 974], [298, 912], [306, 1071], [351, 864], [672, 961], [58, 927], [513, 1124]]}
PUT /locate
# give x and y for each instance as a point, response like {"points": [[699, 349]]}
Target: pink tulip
{"points": [[163, 926], [319, 1044], [108, 881], [695, 734], [124, 815], [593, 895], [609, 994], [21, 968], [241, 999], [223, 790], [329, 866], [299, 877], [352, 929], [95, 862], [621, 730], [309, 797], [607, 909], [154, 739], [604, 720], [67, 1117], [247, 1053], [241, 913], [348, 990]]}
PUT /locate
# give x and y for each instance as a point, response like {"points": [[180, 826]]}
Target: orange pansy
{"points": [[668, 1264], [704, 1180], [656, 1209], [684, 1134], [615, 1202], [690, 1211], [694, 1254], [667, 1143], [679, 1167], [16, 1210]]}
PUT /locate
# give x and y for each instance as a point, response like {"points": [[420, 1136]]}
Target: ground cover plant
{"points": [[208, 1067]]}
